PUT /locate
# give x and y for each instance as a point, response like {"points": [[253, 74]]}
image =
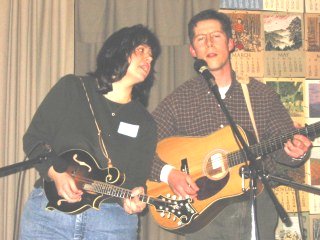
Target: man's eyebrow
{"points": [[199, 34]]}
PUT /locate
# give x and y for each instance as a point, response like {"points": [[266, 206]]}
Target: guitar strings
{"points": [[219, 164], [127, 192]]}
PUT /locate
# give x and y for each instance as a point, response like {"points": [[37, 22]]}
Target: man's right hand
{"points": [[182, 184]]}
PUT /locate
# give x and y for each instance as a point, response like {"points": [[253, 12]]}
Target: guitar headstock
{"points": [[175, 209]]}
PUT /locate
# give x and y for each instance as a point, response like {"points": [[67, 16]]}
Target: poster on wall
{"points": [[313, 165], [284, 5], [312, 96], [314, 171], [312, 45], [287, 198], [314, 227], [291, 91], [247, 58], [293, 233], [283, 47], [312, 174]]}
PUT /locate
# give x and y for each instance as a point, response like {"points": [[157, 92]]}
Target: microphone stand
{"points": [[28, 163], [253, 170], [290, 183], [21, 166]]}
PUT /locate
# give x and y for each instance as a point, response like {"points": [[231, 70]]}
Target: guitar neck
{"points": [[273, 144]]}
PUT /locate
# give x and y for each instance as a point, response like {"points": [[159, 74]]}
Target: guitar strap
{"points": [[101, 142], [248, 102]]}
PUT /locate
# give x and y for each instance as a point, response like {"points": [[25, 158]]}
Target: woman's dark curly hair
{"points": [[112, 60]]}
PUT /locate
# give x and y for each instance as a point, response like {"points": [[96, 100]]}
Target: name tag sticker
{"points": [[128, 129]]}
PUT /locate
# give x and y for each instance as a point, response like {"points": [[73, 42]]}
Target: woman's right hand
{"points": [[65, 185]]}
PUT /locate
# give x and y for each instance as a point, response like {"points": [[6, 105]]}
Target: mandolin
{"points": [[100, 184]]}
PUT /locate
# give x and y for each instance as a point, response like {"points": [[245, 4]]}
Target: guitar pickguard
{"points": [[208, 187]]}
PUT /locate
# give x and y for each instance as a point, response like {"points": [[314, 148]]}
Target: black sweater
{"points": [[64, 121]]}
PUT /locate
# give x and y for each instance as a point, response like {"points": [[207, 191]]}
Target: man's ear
{"points": [[192, 51], [231, 45]]}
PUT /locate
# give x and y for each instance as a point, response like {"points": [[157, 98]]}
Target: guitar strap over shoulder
{"points": [[248, 102]]}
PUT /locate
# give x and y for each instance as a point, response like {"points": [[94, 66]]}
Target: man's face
{"points": [[211, 44]]}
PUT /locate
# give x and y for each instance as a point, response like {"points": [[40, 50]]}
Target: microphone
{"points": [[202, 67]]}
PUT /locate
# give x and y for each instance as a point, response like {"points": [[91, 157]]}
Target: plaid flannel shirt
{"points": [[192, 111]]}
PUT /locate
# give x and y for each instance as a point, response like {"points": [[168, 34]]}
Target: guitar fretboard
{"points": [[272, 144]]}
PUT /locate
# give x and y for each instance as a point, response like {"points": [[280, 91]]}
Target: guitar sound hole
{"points": [[216, 166]]}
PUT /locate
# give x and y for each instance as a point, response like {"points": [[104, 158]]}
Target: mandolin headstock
{"points": [[175, 209]]}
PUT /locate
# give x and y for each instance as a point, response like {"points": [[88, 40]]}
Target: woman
{"points": [[98, 117]]}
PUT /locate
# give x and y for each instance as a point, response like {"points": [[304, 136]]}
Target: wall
{"points": [[278, 42]]}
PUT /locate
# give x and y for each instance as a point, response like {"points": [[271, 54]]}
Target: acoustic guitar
{"points": [[100, 184], [215, 162]]}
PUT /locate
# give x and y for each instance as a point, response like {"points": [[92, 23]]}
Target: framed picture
{"points": [[314, 227]]}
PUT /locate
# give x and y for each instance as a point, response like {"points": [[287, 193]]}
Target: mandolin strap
{"points": [[101, 142]]}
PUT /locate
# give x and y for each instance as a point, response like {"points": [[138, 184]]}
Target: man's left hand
{"points": [[298, 146]]}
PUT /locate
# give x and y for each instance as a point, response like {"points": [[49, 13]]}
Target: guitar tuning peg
{"points": [[174, 218], [174, 197], [179, 223], [162, 214], [180, 198], [168, 215], [168, 195]]}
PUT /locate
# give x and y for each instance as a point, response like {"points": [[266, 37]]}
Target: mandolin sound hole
{"points": [[215, 165]]}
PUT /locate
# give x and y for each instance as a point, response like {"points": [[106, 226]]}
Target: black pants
{"points": [[234, 222]]}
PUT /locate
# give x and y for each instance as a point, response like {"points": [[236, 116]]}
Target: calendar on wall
{"points": [[284, 5], [312, 6], [312, 45], [247, 34], [278, 43], [242, 4], [283, 34]]}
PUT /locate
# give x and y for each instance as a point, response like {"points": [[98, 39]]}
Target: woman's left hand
{"points": [[134, 205]]}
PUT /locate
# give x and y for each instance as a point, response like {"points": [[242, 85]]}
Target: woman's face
{"points": [[139, 64]]}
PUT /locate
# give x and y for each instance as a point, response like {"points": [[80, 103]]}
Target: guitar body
{"points": [[207, 164], [81, 165]]}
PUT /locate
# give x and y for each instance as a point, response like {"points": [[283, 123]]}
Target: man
{"points": [[191, 111]]}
